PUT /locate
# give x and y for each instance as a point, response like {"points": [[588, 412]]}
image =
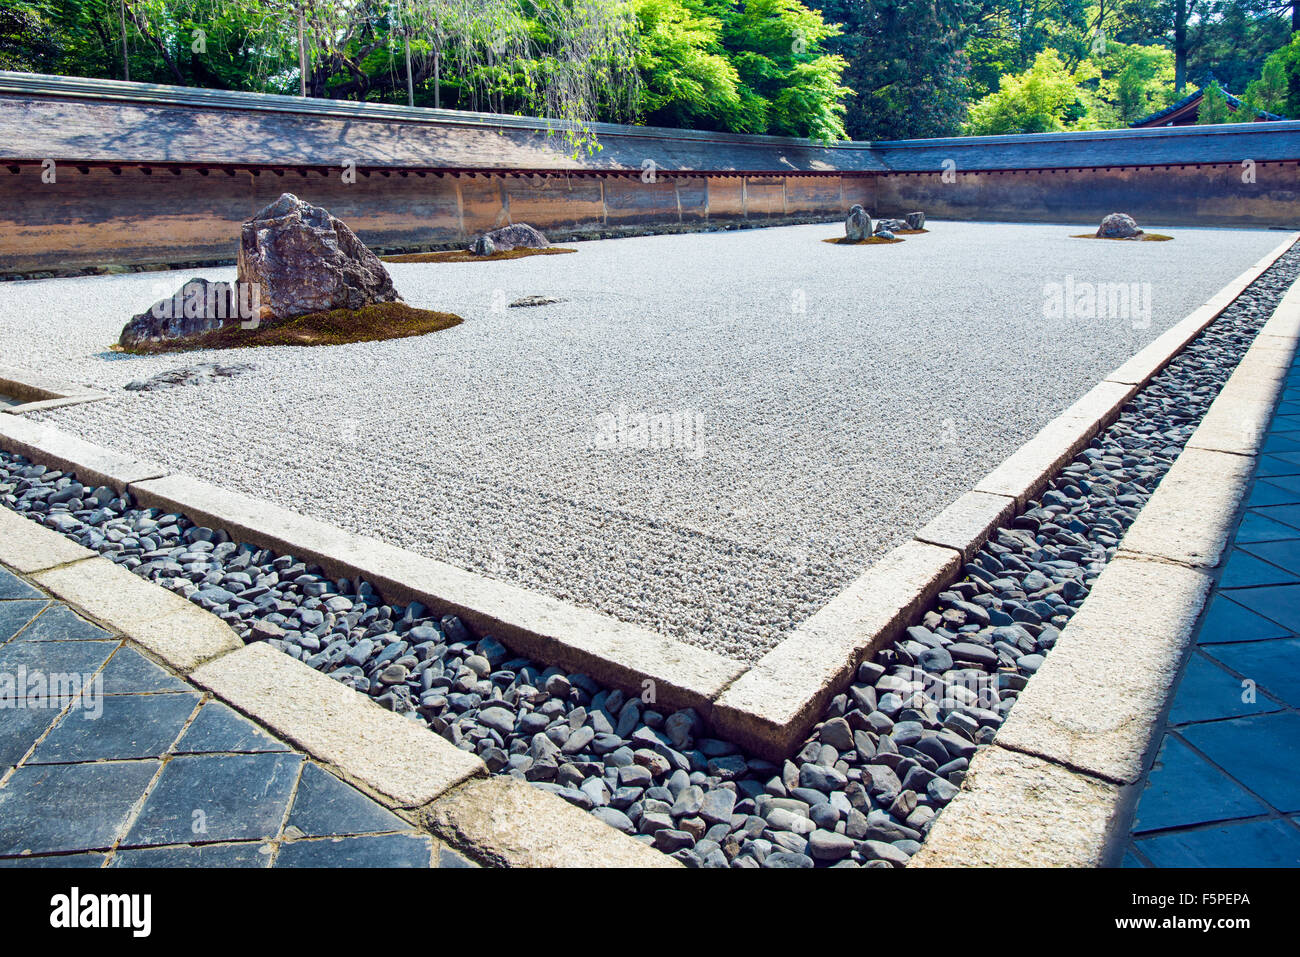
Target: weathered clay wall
{"points": [[1208, 195], [94, 217]]}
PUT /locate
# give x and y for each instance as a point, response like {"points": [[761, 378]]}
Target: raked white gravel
{"points": [[838, 397]]}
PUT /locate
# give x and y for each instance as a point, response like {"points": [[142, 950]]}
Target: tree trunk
{"points": [[1180, 46]]}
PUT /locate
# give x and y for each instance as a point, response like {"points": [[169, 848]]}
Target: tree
{"points": [[1278, 88], [687, 80], [907, 64], [1214, 107], [28, 43], [1046, 98]]}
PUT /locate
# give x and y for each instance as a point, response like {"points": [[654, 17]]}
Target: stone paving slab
{"points": [[119, 762], [1094, 704], [171, 627], [1225, 785], [391, 755], [30, 547], [57, 449], [1015, 810], [512, 824], [1190, 517]]}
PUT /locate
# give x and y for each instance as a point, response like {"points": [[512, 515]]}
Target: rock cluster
{"points": [[1118, 226], [858, 225], [515, 236], [294, 259]]}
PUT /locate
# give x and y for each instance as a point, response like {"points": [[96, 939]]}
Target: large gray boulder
{"points": [[514, 236], [1118, 226], [915, 220], [857, 225], [304, 260], [197, 307]]}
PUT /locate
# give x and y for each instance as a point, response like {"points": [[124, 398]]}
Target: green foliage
{"points": [[873, 69], [1278, 88], [1134, 81], [687, 80], [1046, 98], [1214, 107], [28, 42]]}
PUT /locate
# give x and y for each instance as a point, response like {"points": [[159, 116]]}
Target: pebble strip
{"points": [[890, 752]]}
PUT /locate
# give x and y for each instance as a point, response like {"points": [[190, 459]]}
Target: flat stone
{"points": [[93, 464], [238, 797], [1096, 702], [1192, 514], [1015, 810], [28, 546], [512, 824], [966, 524], [391, 755], [175, 630], [377, 850]]}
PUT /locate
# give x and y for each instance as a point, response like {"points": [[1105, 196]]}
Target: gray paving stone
{"points": [[248, 854], [383, 850], [11, 586], [1185, 789], [1273, 665], [61, 623], [1271, 843], [326, 806], [201, 798], [69, 807], [130, 726], [220, 728], [1207, 692], [129, 672], [14, 615], [1262, 752], [56, 860]]}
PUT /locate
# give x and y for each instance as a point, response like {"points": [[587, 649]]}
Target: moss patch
{"points": [[386, 320], [465, 256], [1144, 238], [873, 241]]}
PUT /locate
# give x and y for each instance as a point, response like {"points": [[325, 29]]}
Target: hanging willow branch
{"points": [[568, 60]]}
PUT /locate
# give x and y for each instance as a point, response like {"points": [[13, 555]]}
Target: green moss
{"points": [[1144, 238], [465, 256], [873, 241], [386, 320]]}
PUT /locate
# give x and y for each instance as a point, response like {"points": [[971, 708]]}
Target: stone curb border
{"points": [[1059, 785], [39, 392], [769, 707], [401, 764]]}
